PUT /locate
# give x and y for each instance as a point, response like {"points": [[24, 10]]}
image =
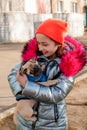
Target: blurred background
{"points": [[20, 18]]}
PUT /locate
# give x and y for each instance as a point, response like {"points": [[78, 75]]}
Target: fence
{"points": [[20, 26]]}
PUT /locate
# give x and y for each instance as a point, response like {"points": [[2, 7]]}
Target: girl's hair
{"points": [[60, 50]]}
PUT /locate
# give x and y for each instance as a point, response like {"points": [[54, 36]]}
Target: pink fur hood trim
{"points": [[72, 61], [30, 49]]}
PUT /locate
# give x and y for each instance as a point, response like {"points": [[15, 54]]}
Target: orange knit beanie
{"points": [[54, 29]]}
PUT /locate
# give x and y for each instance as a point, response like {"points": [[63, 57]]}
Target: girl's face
{"points": [[47, 46]]}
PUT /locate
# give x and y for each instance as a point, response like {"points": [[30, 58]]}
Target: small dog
{"points": [[31, 67], [25, 107]]}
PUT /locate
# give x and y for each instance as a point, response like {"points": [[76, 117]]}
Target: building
{"points": [[43, 6], [85, 12], [11, 5], [19, 18]]}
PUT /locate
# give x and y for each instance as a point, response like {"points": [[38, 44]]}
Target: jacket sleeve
{"points": [[14, 84], [51, 94]]}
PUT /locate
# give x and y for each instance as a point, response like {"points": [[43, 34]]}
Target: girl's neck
{"points": [[52, 57]]}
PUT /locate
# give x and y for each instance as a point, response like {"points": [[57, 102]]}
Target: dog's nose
{"points": [[37, 66]]}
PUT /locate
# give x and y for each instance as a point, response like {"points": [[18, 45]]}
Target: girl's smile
{"points": [[46, 45]]}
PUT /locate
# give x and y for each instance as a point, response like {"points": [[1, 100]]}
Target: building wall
{"points": [[48, 6], [54, 6], [20, 26], [81, 4], [18, 21], [30, 6], [11, 5], [67, 5], [39, 6]]}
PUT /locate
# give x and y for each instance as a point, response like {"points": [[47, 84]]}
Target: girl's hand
{"points": [[22, 79]]}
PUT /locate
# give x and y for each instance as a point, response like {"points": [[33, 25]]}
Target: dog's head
{"points": [[31, 67]]}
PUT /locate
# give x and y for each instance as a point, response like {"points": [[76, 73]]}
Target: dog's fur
{"points": [[25, 107]]}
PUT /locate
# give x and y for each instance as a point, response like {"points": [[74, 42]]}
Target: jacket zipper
{"points": [[56, 114]]}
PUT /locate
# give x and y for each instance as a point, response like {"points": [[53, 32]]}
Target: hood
{"points": [[30, 50], [73, 58]]}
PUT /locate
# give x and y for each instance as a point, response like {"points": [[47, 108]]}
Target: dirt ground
{"points": [[76, 109], [77, 105]]}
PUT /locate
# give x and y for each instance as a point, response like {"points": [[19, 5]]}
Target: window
{"points": [[60, 6], [74, 7], [11, 5], [85, 1], [4, 6], [16, 5]]}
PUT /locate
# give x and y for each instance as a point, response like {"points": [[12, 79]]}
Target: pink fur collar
{"points": [[72, 61]]}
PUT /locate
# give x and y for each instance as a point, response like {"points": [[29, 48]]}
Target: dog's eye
{"points": [[31, 66], [25, 71]]}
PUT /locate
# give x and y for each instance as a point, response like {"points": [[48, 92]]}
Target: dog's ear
{"points": [[25, 69], [33, 60], [27, 64], [21, 71]]}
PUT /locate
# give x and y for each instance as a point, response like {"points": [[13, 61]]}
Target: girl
{"points": [[55, 51]]}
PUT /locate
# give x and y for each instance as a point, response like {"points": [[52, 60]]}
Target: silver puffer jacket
{"points": [[52, 106]]}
